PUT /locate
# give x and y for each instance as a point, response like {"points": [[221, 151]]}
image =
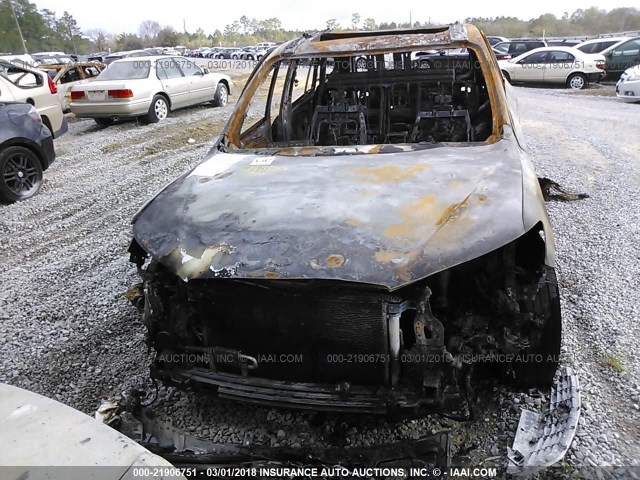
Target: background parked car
{"points": [[226, 52], [65, 76], [266, 45], [560, 65], [597, 45], [125, 54], [97, 57], [513, 48], [33, 86], [494, 39], [52, 58], [240, 55], [215, 51], [621, 56], [564, 42], [149, 87], [437, 58], [26, 150], [154, 51], [628, 87], [256, 54]]}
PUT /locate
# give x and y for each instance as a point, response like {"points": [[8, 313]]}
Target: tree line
{"points": [[591, 21], [44, 31]]}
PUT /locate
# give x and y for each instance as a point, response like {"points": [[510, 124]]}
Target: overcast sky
{"points": [[119, 16]]}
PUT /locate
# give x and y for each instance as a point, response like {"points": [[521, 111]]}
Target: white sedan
{"points": [[628, 87], [558, 65], [149, 87]]}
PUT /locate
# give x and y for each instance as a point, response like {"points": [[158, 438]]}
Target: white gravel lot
{"points": [[67, 332]]}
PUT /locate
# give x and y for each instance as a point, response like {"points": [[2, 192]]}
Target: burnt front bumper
{"points": [[340, 397]]}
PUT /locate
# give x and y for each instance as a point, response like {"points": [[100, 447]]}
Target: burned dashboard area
{"points": [[343, 346], [410, 97]]}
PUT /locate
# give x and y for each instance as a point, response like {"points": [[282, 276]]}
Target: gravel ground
{"points": [[66, 330]]}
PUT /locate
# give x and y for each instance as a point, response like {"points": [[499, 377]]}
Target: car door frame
{"points": [[558, 72], [532, 72], [201, 86], [176, 88]]}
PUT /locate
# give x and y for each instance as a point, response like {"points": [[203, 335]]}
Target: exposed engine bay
{"points": [[373, 99], [339, 346]]}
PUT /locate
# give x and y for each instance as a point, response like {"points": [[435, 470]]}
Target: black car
{"points": [[226, 53], [26, 150], [513, 48]]}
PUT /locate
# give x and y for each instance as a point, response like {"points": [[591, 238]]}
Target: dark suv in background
{"points": [[513, 48], [26, 150]]}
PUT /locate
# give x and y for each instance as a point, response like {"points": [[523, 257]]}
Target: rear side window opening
{"points": [[428, 96], [20, 77]]}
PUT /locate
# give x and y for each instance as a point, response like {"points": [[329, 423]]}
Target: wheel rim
{"points": [[160, 108], [223, 96], [20, 174], [576, 82]]}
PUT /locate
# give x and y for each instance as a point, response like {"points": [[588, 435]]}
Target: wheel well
{"points": [[226, 84], [166, 97], [506, 75], [31, 102], [47, 123]]}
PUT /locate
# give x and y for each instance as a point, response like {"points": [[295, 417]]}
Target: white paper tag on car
{"points": [[263, 161], [96, 94]]}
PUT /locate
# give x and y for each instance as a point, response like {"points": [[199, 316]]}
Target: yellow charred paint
{"points": [[354, 223], [271, 275], [414, 218], [451, 212], [335, 260], [390, 256], [390, 173]]}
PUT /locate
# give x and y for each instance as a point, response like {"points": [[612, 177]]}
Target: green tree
{"points": [[369, 24], [37, 34], [69, 32], [128, 41], [332, 24], [355, 21], [167, 37]]}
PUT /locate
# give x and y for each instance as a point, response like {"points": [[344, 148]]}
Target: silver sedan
{"points": [[149, 87]]}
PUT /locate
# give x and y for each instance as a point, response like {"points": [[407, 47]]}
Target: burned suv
{"points": [[364, 236]]}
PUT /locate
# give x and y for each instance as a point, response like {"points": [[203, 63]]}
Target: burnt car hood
{"points": [[385, 219]]}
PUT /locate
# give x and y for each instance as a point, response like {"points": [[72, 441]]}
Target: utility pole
{"points": [[24, 45]]}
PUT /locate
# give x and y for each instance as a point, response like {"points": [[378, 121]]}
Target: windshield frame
{"points": [[230, 138]]}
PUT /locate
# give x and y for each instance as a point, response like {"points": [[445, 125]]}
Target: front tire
{"points": [[21, 174], [159, 109], [222, 96], [506, 76], [577, 81]]}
